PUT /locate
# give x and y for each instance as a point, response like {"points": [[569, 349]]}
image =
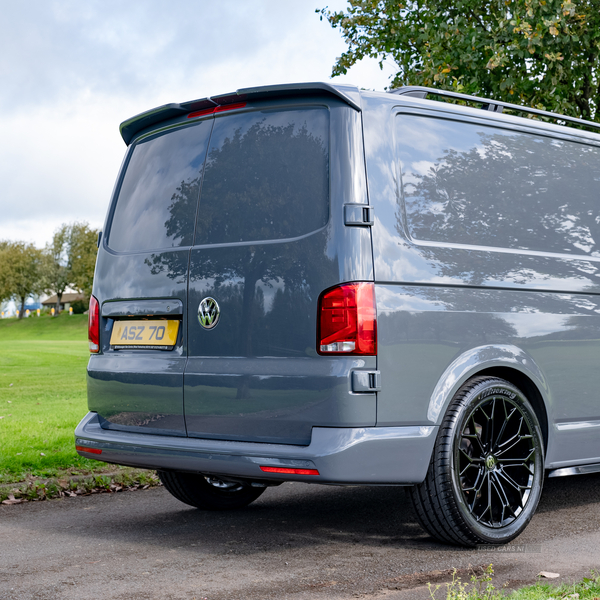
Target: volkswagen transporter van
{"points": [[320, 284]]}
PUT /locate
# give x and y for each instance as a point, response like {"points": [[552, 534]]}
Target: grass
{"points": [[587, 589], [61, 328], [42, 397], [482, 588]]}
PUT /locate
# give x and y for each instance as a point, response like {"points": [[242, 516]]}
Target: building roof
{"points": [[66, 297]]}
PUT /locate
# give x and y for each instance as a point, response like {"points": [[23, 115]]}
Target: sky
{"points": [[72, 71]]}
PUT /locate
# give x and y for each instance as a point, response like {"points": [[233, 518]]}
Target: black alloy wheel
{"points": [[486, 474]]}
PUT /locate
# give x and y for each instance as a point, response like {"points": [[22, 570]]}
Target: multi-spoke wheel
{"points": [[485, 477], [209, 493]]}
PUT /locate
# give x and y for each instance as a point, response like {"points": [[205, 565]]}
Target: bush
{"points": [[80, 306]]}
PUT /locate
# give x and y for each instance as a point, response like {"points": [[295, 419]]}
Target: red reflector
{"points": [[289, 471], [94, 325], [90, 450], [348, 320], [200, 113], [230, 107]]}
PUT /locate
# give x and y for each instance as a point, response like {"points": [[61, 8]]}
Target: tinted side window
{"points": [[470, 184], [157, 202], [266, 177]]}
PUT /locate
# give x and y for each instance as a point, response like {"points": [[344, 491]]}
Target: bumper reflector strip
{"points": [[289, 471], [90, 450]]}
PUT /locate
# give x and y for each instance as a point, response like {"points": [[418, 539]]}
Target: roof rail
{"points": [[487, 104], [130, 128]]}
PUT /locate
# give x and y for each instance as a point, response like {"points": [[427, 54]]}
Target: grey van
{"points": [[320, 284]]}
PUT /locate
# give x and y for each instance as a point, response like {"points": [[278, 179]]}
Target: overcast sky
{"points": [[72, 71]]}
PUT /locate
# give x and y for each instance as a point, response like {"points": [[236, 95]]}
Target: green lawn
{"points": [[481, 587], [42, 396], [64, 327]]}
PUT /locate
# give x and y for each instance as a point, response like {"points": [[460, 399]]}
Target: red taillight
{"points": [[216, 109], [289, 471], [348, 320], [94, 325], [90, 450]]}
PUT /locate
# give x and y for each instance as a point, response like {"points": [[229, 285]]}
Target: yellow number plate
{"points": [[144, 334]]}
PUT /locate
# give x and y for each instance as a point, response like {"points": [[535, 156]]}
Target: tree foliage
{"points": [[69, 260], [542, 53], [83, 249], [20, 272], [57, 272]]}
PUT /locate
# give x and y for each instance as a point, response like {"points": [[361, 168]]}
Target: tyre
{"points": [[208, 492], [487, 470]]}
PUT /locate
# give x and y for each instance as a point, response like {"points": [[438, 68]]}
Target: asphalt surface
{"points": [[297, 541]]}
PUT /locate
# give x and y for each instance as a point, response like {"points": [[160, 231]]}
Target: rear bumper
{"points": [[366, 455]]}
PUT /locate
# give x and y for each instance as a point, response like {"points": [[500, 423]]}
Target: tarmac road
{"points": [[297, 541]]}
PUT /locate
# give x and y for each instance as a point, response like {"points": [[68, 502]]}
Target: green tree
{"points": [[83, 249], [57, 270], [5, 293], [69, 260], [20, 272], [542, 53]]}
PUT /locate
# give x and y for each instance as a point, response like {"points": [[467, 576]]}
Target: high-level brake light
{"points": [[348, 320], [216, 109], [94, 325]]}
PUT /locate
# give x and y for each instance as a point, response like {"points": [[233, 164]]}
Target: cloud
{"points": [[72, 71]]}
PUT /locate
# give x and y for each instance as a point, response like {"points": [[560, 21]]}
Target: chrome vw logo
{"points": [[208, 313]]}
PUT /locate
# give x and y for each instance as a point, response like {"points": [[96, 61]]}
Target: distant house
{"points": [[65, 302]]}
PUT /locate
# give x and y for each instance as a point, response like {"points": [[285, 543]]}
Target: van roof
{"points": [[132, 126]]}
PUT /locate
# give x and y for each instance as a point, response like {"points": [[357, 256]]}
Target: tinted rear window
{"points": [[266, 177], [157, 202], [471, 184]]}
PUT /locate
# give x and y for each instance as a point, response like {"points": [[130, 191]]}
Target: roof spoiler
{"points": [[132, 126]]}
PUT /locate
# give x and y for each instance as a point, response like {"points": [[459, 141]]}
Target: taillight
{"points": [[94, 325], [348, 320]]}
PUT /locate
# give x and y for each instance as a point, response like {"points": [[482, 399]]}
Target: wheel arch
{"points": [[504, 361]]}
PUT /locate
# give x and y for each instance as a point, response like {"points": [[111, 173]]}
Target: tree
{"points": [[69, 260], [20, 272], [83, 249], [542, 53], [5, 293], [57, 271]]}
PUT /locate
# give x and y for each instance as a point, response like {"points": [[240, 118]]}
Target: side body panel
{"points": [[449, 311]]}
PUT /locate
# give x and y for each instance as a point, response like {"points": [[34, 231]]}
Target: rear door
{"points": [[262, 256], [135, 383]]}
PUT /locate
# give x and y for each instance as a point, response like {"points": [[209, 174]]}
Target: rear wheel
{"points": [[486, 474], [209, 492]]}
